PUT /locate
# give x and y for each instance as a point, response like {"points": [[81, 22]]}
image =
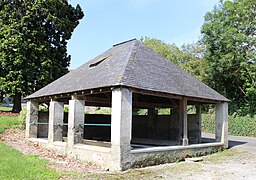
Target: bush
{"points": [[22, 117], [242, 125], [237, 125], [43, 107], [208, 123], [66, 109]]}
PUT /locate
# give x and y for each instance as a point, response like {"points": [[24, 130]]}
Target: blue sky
{"points": [[107, 22]]}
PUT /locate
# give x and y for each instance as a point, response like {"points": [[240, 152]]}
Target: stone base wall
{"points": [[150, 158], [99, 156], [102, 157]]}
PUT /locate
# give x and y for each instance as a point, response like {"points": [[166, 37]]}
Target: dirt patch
{"points": [[8, 113], [16, 139]]}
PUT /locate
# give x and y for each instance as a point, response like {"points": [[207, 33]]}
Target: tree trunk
{"points": [[16, 103]]}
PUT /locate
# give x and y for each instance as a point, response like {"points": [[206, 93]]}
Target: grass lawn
{"points": [[8, 122], [3, 108], [14, 165]]}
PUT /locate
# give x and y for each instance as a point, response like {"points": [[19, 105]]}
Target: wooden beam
{"points": [[149, 101], [79, 94], [153, 105], [154, 93], [194, 100], [97, 104]]}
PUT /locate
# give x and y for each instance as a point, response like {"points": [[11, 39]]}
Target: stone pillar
{"points": [[180, 125], [221, 130], [199, 120], [56, 116], [151, 131], [75, 117], [183, 121], [121, 124], [32, 117]]}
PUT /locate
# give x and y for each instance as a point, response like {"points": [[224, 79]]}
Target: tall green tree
{"points": [[229, 33], [188, 57], [33, 43]]}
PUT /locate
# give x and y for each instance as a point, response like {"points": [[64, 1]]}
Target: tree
{"points": [[229, 34], [33, 43], [188, 57]]}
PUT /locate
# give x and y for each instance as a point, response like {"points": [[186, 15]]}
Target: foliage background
{"points": [[33, 44]]}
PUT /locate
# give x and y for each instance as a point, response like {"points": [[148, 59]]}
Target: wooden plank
{"points": [[154, 93]]}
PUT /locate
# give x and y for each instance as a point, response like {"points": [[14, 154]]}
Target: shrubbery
{"points": [[237, 125], [242, 125], [22, 117], [208, 123]]}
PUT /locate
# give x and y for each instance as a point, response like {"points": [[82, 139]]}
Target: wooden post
{"points": [[180, 122], [199, 119], [183, 121], [151, 123]]}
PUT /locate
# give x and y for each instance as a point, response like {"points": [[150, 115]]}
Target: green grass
{"points": [[3, 108], [103, 111], [220, 156], [8, 122], [14, 165], [129, 174]]}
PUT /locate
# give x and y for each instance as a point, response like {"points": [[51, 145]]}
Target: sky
{"points": [[108, 22]]}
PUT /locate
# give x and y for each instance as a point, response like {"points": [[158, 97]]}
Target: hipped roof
{"points": [[130, 64]]}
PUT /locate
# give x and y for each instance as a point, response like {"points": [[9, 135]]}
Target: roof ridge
{"points": [[131, 57], [124, 42]]}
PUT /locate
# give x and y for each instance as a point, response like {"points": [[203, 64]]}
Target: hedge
{"points": [[237, 125]]}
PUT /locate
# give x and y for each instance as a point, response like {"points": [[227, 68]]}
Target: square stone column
{"points": [[183, 121], [121, 128], [31, 118], [56, 116], [199, 120], [221, 130], [75, 118]]}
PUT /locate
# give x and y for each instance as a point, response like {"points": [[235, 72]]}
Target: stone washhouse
{"points": [[126, 78]]}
